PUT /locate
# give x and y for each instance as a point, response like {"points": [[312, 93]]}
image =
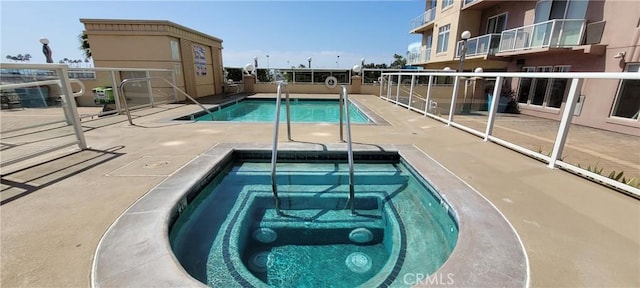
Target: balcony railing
{"points": [[419, 57], [481, 45], [556, 33], [423, 19]]}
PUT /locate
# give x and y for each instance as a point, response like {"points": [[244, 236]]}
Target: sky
{"points": [[285, 30]]}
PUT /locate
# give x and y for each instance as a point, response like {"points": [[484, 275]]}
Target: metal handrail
{"points": [[126, 106], [274, 152], [344, 105]]}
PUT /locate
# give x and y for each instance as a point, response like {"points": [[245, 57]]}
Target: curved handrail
{"points": [[79, 93], [124, 101], [274, 152], [344, 97]]}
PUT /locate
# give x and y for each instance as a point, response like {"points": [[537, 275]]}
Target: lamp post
{"points": [[338, 62], [309, 59], [255, 62], [46, 50], [464, 36], [267, 61], [362, 62]]}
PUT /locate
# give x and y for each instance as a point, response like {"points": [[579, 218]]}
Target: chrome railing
{"points": [[424, 18], [428, 107], [274, 151], [344, 106], [482, 45], [147, 79], [557, 33]]}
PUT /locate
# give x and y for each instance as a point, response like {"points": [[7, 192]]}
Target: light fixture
{"points": [[447, 68], [357, 68], [620, 55], [44, 41], [478, 70], [249, 68], [309, 59], [465, 35]]}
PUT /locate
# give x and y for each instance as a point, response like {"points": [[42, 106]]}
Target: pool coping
{"points": [[135, 250]]}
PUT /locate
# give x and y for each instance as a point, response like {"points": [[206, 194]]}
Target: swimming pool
{"points": [[317, 243], [138, 249], [263, 110]]}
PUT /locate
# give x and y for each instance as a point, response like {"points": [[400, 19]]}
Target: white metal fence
{"points": [[56, 128], [416, 91]]}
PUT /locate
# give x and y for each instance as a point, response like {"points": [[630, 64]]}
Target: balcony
{"points": [[478, 4], [421, 23], [484, 45], [558, 33], [419, 57]]}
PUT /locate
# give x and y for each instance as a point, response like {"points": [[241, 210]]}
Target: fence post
{"points": [[116, 92], [398, 90], [173, 81], [149, 90], [427, 100], [454, 95], [565, 123], [413, 79], [493, 107], [70, 106]]}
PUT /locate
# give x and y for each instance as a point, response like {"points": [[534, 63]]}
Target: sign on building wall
{"points": [[200, 59]]}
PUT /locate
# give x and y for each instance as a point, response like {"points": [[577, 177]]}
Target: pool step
{"points": [[322, 179], [316, 226]]}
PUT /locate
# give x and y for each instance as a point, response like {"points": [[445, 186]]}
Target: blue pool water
{"points": [[302, 111], [231, 236]]}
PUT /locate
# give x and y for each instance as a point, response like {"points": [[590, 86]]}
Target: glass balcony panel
{"points": [[567, 33], [482, 48], [507, 40], [472, 45], [553, 33], [423, 19]]}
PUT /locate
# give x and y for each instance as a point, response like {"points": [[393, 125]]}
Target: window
{"points": [[175, 50], [558, 88], [627, 104], [560, 9], [443, 38], [525, 86], [446, 3], [543, 92], [497, 24]]}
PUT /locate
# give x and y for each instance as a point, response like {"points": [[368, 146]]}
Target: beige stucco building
{"points": [[542, 36], [195, 57]]}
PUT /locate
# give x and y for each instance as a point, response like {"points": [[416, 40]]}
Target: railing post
{"points": [[341, 114], [413, 79], [381, 82], [70, 104], [553, 28], [173, 80], [454, 95], [149, 90], [398, 90], [427, 100], [565, 123], [116, 92], [493, 107], [389, 87]]}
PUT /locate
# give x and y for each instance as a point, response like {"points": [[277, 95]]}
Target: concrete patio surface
{"points": [[576, 233]]}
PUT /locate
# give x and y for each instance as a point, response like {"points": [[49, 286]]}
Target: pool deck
{"points": [[575, 232]]}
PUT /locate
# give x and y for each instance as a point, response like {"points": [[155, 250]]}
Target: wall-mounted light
{"points": [[620, 55]]}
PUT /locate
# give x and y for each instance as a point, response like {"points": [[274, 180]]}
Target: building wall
{"points": [[148, 44]]}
